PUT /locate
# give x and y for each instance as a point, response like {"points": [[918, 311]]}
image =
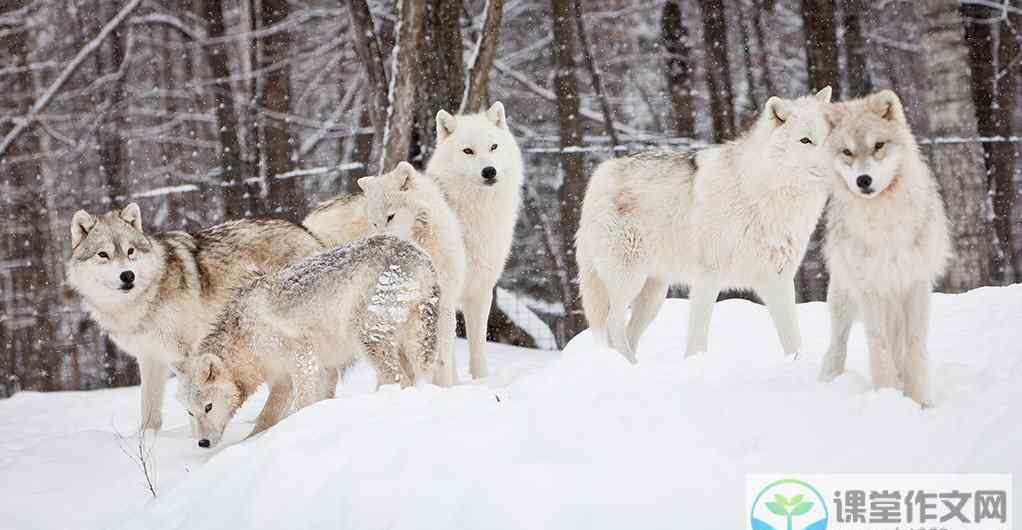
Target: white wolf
{"points": [[408, 205], [887, 243], [158, 295], [374, 298], [478, 166], [737, 215]]}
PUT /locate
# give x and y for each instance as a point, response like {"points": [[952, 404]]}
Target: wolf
{"points": [[409, 205], [157, 295], [737, 215], [887, 243], [376, 298], [478, 166]]}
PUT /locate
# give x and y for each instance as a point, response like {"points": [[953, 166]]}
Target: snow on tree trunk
{"points": [[367, 46], [478, 79], [401, 98], [958, 166]]}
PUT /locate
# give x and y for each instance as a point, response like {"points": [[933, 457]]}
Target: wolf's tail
{"points": [[595, 301]]}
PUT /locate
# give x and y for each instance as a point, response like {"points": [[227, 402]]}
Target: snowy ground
{"points": [[573, 440]]}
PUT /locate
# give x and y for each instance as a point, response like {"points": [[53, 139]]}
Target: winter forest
{"points": [[207, 110]]}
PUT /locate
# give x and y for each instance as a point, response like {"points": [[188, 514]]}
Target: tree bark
{"points": [[993, 119], [821, 45], [286, 195], [958, 166], [856, 53], [678, 69], [236, 204], [1004, 155], [478, 76], [597, 77], [763, 57], [440, 75], [367, 46], [401, 114], [572, 162], [718, 70]]}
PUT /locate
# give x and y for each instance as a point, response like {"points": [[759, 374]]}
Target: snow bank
{"points": [[583, 440]]}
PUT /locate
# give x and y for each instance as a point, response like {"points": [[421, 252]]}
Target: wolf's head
{"points": [[112, 260], [391, 204], [209, 394], [788, 137], [869, 142], [476, 151]]}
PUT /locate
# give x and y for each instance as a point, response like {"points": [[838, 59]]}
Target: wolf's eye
{"points": [[190, 414], [104, 255], [468, 151], [209, 407], [879, 146], [390, 218], [847, 152], [131, 252], [493, 147], [806, 140]]}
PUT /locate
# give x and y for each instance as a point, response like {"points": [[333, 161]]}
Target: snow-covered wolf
{"points": [[478, 167], [887, 243], [157, 295], [409, 205], [737, 215], [375, 298]]}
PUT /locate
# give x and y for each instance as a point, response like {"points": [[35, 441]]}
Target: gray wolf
{"points": [[737, 215], [478, 167], [376, 298], [887, 243], [157, 295]]}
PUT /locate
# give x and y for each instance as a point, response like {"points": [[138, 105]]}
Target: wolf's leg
{"points": [[328, 383], [154, 381], [701, 297], [645, 309], [307, 379], [779, 297], [842, 313], [385, 356], [916, 373], [281, 392], [623, 288], [445, 372], [477, 315], [877, 319]]}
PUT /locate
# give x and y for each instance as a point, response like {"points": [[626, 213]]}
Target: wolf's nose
{"points": [[204, 443], [489, 172], [864, 181], [127, 277]]}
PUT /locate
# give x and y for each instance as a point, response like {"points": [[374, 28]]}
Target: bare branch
{"points": [[478, 77]]}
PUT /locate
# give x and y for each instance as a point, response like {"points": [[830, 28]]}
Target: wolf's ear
{"points": [[776, 110], [365, 183], [496, 114], [444, 125], [823, 96], [405, 174], [887, 105], [210, 368], [81, 223], [133, 216]]}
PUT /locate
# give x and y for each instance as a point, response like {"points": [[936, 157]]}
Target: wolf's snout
{"points": [[204, 443], [489, 174], [864, 182], [128, 277]]}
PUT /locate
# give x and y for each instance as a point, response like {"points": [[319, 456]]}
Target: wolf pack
{"points": [[380, 276]]}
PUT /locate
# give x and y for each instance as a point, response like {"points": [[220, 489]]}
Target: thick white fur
{"points": [[737, 215], [408, 205], [885, 248], [486, 209]]}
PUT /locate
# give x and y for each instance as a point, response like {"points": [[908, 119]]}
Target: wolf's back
{"points": [[339, 220]]}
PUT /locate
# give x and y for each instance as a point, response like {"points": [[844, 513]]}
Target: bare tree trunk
{"points": [[572, 162], [821, 45], [994, 120], [748, 107], [1004, 155], [597, 77], [859, 82], [763, 57], [440, 73], [677, 54], [231, 167], [718, 70], [367, 47], [286, 195], [111, 145], [957, 166], [401, 114], [478, 78]]}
